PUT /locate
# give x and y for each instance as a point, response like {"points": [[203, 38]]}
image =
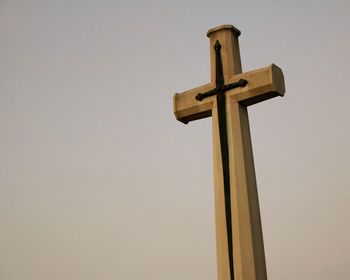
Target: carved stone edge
{"points": [[224, 26]]}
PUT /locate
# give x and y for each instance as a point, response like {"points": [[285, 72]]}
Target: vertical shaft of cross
{"points": [[225, 265], [245, 242]]}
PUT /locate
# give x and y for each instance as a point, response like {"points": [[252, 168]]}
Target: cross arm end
{"points": [[263, 84], [277, 78], [187, 108]]}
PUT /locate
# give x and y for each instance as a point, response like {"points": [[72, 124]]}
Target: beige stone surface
{"points": [[263, 84]]}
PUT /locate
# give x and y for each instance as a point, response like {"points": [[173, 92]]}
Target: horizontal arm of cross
{"points": [[263, 84], [188, 108]]}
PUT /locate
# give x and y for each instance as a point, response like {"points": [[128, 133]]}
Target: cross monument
{"points": [[239, 239]]}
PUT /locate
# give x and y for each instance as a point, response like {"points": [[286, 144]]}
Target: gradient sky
{"points": [[99, 181]]}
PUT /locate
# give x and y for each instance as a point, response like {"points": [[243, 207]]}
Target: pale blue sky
{"points": [[99, 181]]}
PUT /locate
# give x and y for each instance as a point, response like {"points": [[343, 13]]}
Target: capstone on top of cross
{"points": [[224, 26]]}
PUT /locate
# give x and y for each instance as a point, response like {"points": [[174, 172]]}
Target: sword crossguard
{"points": [[240, 83]]}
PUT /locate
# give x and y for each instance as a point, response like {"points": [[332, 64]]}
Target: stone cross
{"points": [[239, 240]]}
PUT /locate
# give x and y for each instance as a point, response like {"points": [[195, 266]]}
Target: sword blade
{"points": [[221, 105]]}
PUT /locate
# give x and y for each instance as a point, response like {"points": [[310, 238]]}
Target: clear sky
{"points": [[99, 181]]}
